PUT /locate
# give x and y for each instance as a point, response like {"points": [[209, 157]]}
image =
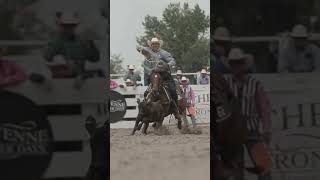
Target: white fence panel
{"points": [[202, 93]]}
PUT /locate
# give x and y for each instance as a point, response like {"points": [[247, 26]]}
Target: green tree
{"points": [[183, 30], [116, 64]]}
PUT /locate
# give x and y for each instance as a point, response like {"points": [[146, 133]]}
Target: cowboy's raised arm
{"points": [[144, 51]]}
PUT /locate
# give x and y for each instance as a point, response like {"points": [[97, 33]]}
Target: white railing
{"points": [[253, 39], [66, 128], [202, 93], [34, 43]]}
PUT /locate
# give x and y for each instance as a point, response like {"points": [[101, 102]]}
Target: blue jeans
{"points": [[146, 79]]}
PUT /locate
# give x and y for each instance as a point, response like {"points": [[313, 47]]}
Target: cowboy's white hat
{"points": [[131, 67], [203, 71], [221, 34], [155, 40], [299, 31], [179, 72], [69, 18], [128, 81], [236, 54], [184, 78]]}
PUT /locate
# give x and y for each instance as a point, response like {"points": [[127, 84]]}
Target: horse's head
{"points": [[155, 83]]}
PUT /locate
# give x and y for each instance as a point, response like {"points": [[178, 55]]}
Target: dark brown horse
{"points": [[159, 91], [229, 129]]}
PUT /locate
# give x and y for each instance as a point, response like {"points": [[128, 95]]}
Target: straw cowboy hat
{"points": [[299, 31], [184, 80], [236, 54], [203, 71], [131, 67], [128, 81], [179, 72], [69, 18], [155, 40], [221, 34]]}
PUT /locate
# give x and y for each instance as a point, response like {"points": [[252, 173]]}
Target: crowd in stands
{"points": [[132, 78], [295, 52]]}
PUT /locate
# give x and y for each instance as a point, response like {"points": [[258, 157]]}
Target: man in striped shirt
{"points": [[255, 107]]}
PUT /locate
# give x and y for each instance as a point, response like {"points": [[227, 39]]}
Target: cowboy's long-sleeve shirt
{"points": [[155, 56]]}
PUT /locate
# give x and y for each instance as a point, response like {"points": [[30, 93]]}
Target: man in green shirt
{"points": [[134, 77], [69, 48]]}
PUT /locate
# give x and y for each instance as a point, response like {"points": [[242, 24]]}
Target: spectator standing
{"points": [[190, 97], [66, 55], [221, 47], [297, 54], [203, 78], [256, 111], [178, 77], [132, 76]]}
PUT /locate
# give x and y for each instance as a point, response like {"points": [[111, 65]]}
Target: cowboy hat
{"points": [[179, 72], [131, 67], [236, 54], [128, 81], [184, 79], [69, 18], [203, 71], [155, 40], [221, 34], [299, 31]]}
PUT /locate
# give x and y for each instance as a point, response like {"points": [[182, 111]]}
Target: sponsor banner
{"points": [[118, 106], [25, 138], [295, 146]]}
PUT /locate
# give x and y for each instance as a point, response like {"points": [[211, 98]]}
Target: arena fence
{"points": [[67, 108], [131, 94]]}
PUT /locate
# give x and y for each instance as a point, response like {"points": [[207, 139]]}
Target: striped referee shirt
{"points": [[255, 105]]}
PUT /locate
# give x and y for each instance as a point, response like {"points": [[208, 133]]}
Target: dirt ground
{"points": [[173, 156]]}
